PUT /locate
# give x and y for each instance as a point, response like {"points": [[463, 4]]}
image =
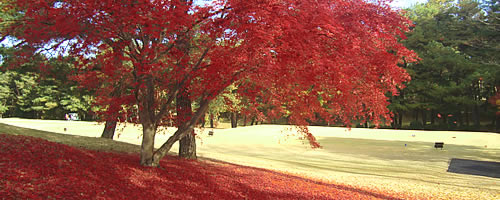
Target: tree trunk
{"points": [[476, 116], [497, 123], [147, 145], [109, 129], [147, 117], [401, 120], [244, 120], [179, 134], [433, 115], [212, 121], [460, 119], [394, 121], [202, 123], [467, 121], [424, 118], [253, 121], [187, 144], [234, 120]]}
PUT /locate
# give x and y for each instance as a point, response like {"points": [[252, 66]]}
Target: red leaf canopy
{"points": [[306, 58]]}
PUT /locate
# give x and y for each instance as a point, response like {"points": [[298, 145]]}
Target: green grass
{"points": [[92, 143], [353, 161]]}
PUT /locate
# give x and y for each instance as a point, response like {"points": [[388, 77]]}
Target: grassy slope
{"points": [[33, 168], [388, 165], [92, 143]]}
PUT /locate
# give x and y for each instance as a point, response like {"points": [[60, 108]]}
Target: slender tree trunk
{"points": [[433, 115], [203, 121], [212, 121], [253, 121], [497, 123], [109, 129], [467, 121], [424, 118], [445, 120], [244, 120], [476, 116], [187, 144], [234, 120], [401, 120], [460, 119], [394, 121]]}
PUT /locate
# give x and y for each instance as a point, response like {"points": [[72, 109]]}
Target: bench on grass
{"points": [[439, 145]]}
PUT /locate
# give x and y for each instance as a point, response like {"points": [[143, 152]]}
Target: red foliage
{"points": [[33, 168], [495, 100], [334, 60]]}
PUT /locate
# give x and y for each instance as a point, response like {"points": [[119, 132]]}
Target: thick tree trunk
{"points": [[147, 146], [109, 129], [234, 120], [147, 117], [187, 144]]}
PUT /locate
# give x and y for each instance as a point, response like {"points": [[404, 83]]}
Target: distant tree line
{"points": [[33, 91], [458, 43]]}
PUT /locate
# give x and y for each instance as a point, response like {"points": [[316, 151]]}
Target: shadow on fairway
{"points": [[404, 150], [475, 167]]}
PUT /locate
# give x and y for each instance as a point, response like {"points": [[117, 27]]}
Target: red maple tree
{"points": [[307, 58]]}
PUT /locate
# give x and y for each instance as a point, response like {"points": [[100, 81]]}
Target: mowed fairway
{"points": [[363, 158]]}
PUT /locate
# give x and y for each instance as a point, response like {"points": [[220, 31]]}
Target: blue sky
{"points": [[406, 3], [395, 3]]}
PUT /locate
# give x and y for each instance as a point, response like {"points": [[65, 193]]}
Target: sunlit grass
{"points": [[360, 157]]}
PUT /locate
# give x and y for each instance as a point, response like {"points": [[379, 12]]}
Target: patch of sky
{"points": [[405, 3]]}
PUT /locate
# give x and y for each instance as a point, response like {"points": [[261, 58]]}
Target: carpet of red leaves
{"points": [[33, 168]]}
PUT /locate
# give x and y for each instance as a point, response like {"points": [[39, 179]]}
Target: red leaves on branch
{"points": [[321, 59], [33, 168]]}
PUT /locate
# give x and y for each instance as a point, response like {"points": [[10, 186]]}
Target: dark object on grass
{"points": [[210, 133], [474, 167], [439, 145], [65, 129]]}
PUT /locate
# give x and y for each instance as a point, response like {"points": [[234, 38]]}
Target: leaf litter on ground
{"points": [[34, 168]]}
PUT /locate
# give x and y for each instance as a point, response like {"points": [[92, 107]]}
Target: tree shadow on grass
{"points": [[405, 150], [474, 167], [35, 168]]}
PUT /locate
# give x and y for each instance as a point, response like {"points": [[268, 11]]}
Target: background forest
{"points": [[454, 86]]}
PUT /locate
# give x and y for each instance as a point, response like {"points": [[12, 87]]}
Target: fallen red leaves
{"points": [[32, 168]]}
